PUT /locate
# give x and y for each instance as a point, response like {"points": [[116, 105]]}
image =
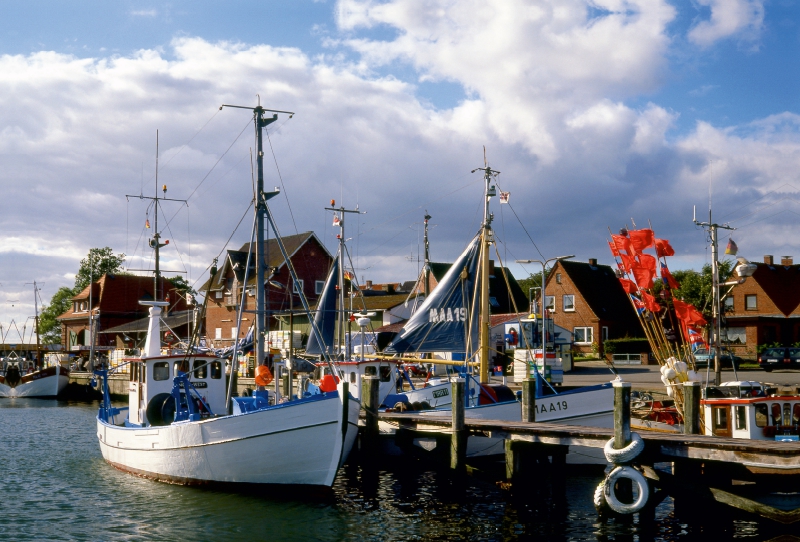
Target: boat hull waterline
{"points": [[301, 443], [48, 382]]}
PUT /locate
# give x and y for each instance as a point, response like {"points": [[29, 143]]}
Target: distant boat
{"points": [[178, 428], [27, 378]]}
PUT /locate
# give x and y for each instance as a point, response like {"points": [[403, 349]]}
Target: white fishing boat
{"points": [[182, 425], [21, 377]]}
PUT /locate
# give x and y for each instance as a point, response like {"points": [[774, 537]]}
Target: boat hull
{"points": [[302, 443], [48, 382]]}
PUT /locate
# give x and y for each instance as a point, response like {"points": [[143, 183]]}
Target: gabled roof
{"points": [[781, 283], [173, 320], [381, 302], [601, 289], [236, 260]]}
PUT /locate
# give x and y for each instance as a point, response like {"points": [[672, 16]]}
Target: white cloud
{"points": [[144, 13], [729, 18]]}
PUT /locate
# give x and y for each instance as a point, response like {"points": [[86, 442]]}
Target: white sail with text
{"points": [[444, 322]]}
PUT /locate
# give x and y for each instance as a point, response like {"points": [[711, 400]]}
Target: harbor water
{"points": [[56, 486]]}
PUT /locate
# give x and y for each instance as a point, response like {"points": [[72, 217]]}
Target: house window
{"points": [[751, 302], [233, 333], [569, 303], [604, 333], [550, 302], [298, 286], [558, 278], [218, 333], [319, 285], [218, 294], [583, 335], [735, 335], [728, 304]]}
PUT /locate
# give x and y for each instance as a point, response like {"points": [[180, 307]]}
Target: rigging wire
{"points": [[283, 186]]}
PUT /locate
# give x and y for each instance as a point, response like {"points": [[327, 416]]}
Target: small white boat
{"points": [[301, 442], [47, 382]]}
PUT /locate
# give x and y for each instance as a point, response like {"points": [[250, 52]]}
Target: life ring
{"points": [[634, 476], [263, 376], [626, 454]]}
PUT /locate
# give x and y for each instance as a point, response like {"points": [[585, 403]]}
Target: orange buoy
{"points": [[263, 376], [328, 383]]}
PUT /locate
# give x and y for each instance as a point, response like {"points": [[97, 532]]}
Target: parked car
{"points": [[705, 356], [779, 358]]}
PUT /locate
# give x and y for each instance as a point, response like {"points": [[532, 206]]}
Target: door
{"points": [[721, 421]]}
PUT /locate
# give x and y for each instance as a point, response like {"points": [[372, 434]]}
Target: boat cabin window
{"points": [[216, 370], [371, 370], [386, 374], [762, 414], [741, 417], [352, 377], [720, 418], [776, 414], [180, 366], [200, 368], [161, 370]]}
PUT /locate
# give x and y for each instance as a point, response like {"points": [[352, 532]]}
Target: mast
{"points": [[36, 323], [339, 220], [260, 121], [426, 270], [487, 239]]}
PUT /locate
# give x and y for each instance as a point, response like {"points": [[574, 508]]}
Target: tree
{"points": [[49, 327], [182, 286], [534, 280], [103, 260]]}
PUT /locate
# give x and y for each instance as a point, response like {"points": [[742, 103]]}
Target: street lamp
{"points": [[543, 297]]}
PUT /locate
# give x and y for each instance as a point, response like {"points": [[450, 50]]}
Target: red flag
{"points": [[643, 275], [614, 250], [641, 239], [650, 302], [648, 262], [668, 279], [627, 262], [663, 248], [696, 317], [628, 285], [681, 309], [623, 244]]}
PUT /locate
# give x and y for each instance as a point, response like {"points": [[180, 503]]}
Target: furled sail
{"points": [[325, 316], [443, 321]]}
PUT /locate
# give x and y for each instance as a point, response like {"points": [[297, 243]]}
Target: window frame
{"points": [[550, 302], [564, 302], [300, 283], [590, 335], [747, 299], [319, 287]]}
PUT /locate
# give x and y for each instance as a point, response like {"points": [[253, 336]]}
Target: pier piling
{"points": [[529, 400], [369, 398], [458, 447], [691, 406]]}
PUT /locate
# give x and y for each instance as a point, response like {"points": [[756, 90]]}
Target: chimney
{"points": [[368, 285], [593, 262], [768, 260], [389, 288], [786, 260]]}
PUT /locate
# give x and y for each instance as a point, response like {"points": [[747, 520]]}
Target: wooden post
{"points": [[458, 447], [691, 408], [529, 400], [622, 414], [369, 402]]}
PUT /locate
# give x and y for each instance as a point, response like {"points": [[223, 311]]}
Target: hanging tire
{"points": [[626, 454], [155, 415], [599, 498], [635, 477]]}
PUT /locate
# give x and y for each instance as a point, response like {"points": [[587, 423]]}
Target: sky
{"points": [[599, 115]]}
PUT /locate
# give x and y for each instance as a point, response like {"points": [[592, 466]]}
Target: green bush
{"points": [[627, 345]]}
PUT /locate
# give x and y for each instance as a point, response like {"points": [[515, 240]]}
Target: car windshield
{"points": [[774, 352], [794, 352]]}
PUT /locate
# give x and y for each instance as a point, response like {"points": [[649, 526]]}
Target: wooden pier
{"points": [[696, 470]]}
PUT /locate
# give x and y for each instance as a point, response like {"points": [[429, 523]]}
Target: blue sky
{"points": [[596, 113]]}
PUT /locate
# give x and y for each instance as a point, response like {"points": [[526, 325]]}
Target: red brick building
{"points": [[765, 309], [311, 261], [588, 300], [115, 301]]}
